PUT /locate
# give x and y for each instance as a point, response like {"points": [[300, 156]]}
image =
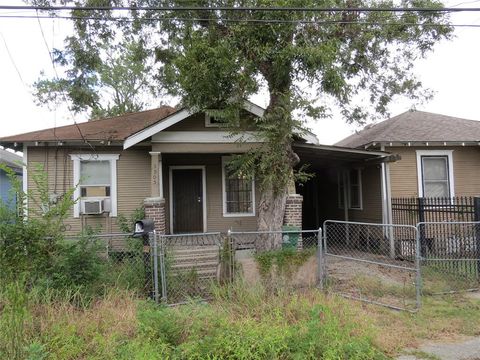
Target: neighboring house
{"points": [[14, 162], [440, 155], [173, 162]]}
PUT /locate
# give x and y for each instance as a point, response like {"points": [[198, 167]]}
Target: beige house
{"points": [[439, 156], [173, 162]]}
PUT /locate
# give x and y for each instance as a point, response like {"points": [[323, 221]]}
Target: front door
{"points": [[187, 200]]}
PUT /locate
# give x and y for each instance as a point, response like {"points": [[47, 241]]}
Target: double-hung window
{"points": [[238, 193], [95, 179], [435, 173], [350, 184]]}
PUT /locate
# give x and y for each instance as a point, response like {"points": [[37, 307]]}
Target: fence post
{"points": [[155, 267], [476, 218], [421, 229], [418, 263], [320, 259], [163, 277]]}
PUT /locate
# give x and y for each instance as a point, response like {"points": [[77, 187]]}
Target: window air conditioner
{"points": [[92, 207]]}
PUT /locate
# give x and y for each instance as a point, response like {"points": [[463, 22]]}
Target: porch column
{"points": [[155, 204]]}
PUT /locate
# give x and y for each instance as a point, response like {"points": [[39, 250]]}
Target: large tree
{"points": [[307, 61]]}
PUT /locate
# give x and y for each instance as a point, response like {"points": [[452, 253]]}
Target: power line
{"points": [[239, 8], [13, 62], [62, 91], [246, 21]]}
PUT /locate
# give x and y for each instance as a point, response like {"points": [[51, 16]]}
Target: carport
{"points": [[347, 184]]}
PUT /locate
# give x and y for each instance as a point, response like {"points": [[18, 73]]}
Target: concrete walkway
{"points": [[459, 350]]}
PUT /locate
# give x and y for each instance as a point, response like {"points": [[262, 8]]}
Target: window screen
{"points": [[435, 176]]}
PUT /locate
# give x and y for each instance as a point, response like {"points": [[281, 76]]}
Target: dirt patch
{"points": [[348, 270]]}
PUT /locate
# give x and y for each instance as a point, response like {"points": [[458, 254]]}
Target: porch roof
{"points": [[337, 156]]}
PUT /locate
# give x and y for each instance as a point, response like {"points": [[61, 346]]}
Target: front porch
{"points": [[192, 193]]}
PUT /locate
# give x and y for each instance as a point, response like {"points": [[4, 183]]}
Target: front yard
{"points": [[239, 323]]}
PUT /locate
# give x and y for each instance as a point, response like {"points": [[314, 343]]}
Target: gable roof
{"points": [[10, 159], [108, 129], [416, 126], [129, 129]]}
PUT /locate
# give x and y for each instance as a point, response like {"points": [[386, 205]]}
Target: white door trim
{"points": [[204, 192]]}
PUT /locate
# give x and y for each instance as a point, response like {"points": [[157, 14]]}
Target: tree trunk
{"points": [[271, 211]]}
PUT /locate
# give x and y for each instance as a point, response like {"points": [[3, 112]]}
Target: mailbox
{"points": [[143, 227]]}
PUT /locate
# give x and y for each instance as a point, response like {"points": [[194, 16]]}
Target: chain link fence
{"points": [[118, 259], [376, 263], [293, 262], [189, 265], [384, 264], [450, 253]]}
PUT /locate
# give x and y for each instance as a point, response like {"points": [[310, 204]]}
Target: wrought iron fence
{"points": [[376, 263], [411, 211]]}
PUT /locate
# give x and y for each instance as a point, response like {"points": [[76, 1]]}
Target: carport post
{"points": [[345, 205]]}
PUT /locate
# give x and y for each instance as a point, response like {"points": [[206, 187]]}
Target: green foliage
{"points": [[263, 329], [13, 317], [104, 77], [285, 262], [308, 62], [126, 224]]}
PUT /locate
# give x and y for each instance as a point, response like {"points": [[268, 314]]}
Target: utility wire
{"points": [[239, 8], [13, 62], [62, 91], [246, 21]]}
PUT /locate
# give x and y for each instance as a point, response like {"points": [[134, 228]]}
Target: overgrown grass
{"points": [[239, 324]]}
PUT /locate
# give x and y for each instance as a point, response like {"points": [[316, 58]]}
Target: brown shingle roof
{"points": [[114, 128], [416, 126]]}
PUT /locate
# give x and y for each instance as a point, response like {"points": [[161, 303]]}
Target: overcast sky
{"points": [[451, 71]]}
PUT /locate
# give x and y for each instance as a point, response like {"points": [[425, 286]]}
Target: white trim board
{"points": [[213, 137], [204, 192], [112, 158], [175, 118], [451, 179]]}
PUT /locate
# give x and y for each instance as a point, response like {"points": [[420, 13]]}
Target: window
{"points": [[352, 179], [435, 173], [213, 121], [95, 178], [238, 193]]}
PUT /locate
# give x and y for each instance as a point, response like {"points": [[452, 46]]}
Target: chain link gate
{"points": [[450, 256], [375, 263], [186, 266]]}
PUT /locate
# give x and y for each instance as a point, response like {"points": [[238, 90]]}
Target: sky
{"points": [[451, 71]]}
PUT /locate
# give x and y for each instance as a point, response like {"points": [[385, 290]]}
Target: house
{"points": [[440, 155], [13, 161], [173, 162]]}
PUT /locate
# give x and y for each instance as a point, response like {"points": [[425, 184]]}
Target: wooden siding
{"points": [[371, 195], [213, 168], [183, 148], [196, 122], [133, 181], [466, 170]]}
